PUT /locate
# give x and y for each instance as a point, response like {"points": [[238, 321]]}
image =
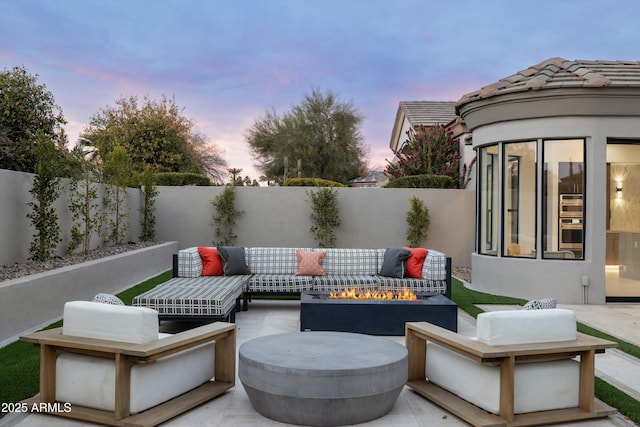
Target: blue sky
{"points": [[228, 62]]}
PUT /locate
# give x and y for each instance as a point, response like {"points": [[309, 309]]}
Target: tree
{"points": [[83, 195], [27, 110], [429, 150], [45, 191], [417, 222], [321, 134], [224, 216], [117, 171], [155, 133]]}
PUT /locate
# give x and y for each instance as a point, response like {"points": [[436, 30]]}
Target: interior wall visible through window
{"points": [[519, 204]]}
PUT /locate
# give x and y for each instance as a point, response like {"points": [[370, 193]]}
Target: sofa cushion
{"points": [[336, 282], [123, 323], [189, 263], [415, 262], [434, 266], [526, 326], [279, 283], [233, 260], [204, 296], [90, 381], [415, 285], [310, 263], [211, 261], [394, 262], [537, 387], [273, 260], [350, 261]]}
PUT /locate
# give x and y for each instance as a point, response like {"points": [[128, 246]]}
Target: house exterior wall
{"points": [[561, 279]]}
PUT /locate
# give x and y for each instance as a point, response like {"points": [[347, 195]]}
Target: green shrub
{"points": [[422, 181], [177, 179], [224, 217], [311, 182], [325, 216], [417, 222]]}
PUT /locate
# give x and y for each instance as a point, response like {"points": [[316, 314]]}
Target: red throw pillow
{"points": [[415, 261], [309, 263], [211, 262]]}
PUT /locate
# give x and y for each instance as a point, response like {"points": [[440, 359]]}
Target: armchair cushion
{"points": [[136, 325], [526, 326]]}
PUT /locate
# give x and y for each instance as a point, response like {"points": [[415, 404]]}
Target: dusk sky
{"points": [[228, 62]]}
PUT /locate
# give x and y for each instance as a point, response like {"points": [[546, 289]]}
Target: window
{"points": [[488, 199], [519, 203], [563, 199]]}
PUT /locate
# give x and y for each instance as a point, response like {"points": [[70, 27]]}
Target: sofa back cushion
{"points": [[350, 261], [123, 323], [189, 263], [272, 260], [434, 266], [526, 326]]}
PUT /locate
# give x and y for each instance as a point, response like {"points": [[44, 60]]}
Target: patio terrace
{"points": [[267, 317]]}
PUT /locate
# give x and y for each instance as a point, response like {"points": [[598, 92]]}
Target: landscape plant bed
{"points": [[35, 300]]}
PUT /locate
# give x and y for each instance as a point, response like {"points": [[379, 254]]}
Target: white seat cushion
{"points": [[526, 326], [136, 325], [90, 381], [538, 386]]}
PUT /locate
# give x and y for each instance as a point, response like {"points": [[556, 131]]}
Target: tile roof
{"points": [[428, 113], [556, 73]]}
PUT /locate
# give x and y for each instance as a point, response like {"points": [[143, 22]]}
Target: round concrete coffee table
{"points": [[322, 378]]}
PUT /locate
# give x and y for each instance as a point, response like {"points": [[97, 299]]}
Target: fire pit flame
{"points": [[355, 293]]}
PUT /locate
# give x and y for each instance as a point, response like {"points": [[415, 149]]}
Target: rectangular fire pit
{"points": [[374, 317]]}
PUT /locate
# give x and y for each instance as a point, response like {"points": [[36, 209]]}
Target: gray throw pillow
{"points": [[394, 262], [233, 260]]}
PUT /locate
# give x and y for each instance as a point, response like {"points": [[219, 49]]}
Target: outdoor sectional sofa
{"points": [[251, 271]]}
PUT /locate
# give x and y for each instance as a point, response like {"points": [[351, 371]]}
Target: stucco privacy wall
{"points": [[279, 216], [16, 229], [562, 279]]}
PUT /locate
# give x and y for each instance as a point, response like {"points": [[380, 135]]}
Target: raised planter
{"points": [[34, 301]]}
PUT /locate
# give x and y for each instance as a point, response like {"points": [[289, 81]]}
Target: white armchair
{"points": [[518, 370], [111, 365]]}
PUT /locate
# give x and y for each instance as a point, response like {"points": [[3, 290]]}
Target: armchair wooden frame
{"points": [[125, 355], [505, 356]]}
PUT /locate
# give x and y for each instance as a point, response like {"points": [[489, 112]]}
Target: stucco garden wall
{"points": [[279, 216]]}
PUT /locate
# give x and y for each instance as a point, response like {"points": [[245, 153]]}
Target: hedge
{"points": [[311, 182], [422, 181]]}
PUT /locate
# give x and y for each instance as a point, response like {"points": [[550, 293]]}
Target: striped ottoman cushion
{"points": [[204, 296]]}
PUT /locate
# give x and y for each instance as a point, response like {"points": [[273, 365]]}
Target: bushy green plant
{"points": [[417, 222], [422, 181], [224, 217], [149, 193], [430, 150], [311, 182], [45, 191], [181, 178], [325, 215]]}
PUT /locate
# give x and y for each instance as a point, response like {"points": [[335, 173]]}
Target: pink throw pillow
{"points": [[309, 263]]}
